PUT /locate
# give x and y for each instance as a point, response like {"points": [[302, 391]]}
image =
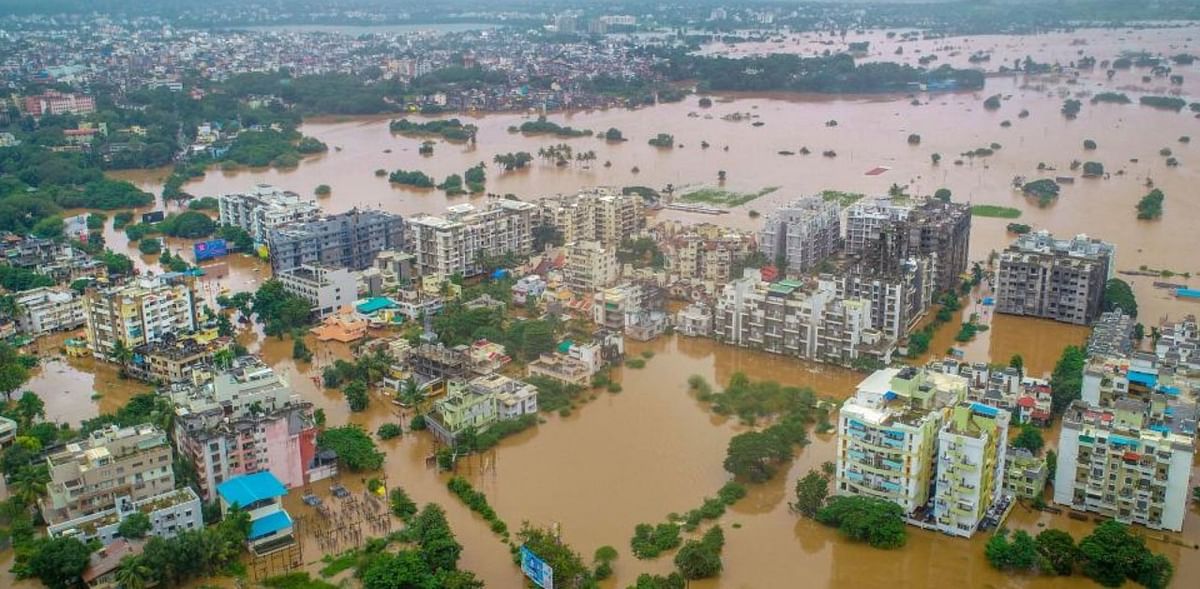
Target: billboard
{"points": [[207, 250], [153, 216], [536, 569]]}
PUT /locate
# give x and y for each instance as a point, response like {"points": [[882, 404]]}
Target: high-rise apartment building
{"points": [[326, 289], [706, 251], [263, 208], [884, 233], [899, 298], [345, 240], [459, 242], [888, 435], [1060, 279], [801, 234], [598, 214], [803, 319], [138, 312], [972, 445], [48, 309], [244, 420]]}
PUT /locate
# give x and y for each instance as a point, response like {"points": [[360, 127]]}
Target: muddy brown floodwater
{"points": [[636, 456]]}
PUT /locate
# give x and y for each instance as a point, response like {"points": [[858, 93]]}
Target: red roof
{"points": [[1026, 402], [1132, 456]]}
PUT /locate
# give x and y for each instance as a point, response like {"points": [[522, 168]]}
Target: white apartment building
{"points": [[138, 312], [48, 309], [326, 289], [590, 267], [802, 319], [458, 242], [263, 208], [801, 234], [599, 214]]}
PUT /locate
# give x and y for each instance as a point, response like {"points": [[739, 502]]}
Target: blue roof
{"points": [[375, 304], [1143, 378], [1169, 390], [888, 396], [270, 524], [984, 409], [1121, 441], [989, 301], [250, 488], [1191, 293]]}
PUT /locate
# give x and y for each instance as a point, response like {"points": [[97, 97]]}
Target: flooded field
{"points": [[634, 457]]}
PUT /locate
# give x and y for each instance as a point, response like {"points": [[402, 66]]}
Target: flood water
{"points": [[636, 456]]}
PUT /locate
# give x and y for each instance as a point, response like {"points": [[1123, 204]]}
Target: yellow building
{"points": [[970, 468], [138, 312]]}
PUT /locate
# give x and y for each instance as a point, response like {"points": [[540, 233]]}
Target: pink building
{"points": [[52, 102]]}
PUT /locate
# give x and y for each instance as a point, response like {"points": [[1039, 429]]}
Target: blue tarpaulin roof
{"points": [[984, 409], [269, 524], [375, 304], [1190, 293], [250, 488], [1143, 378], [989, 301]]}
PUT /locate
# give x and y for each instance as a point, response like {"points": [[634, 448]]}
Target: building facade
{"points": [[600, 214], [972, 449], [590, 267], [89, 476], [48, 309], [347, 240], [480, 403], [801, 234], [137, 313], [884, 233], [263, 208], [170, 513], [1063, 280], [326, 288], [459, 242]]}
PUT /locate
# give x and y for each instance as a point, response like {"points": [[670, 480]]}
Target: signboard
{"points": [[536, 569], [207, 250], [153, 216]]}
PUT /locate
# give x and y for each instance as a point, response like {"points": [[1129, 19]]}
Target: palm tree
{"points": [[29, 483], [121, 354], [133, 573], [411, 394]]}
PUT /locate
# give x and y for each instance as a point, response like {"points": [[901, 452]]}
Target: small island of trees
{"points": [[413, 178], [663, 140], [1150, 206], [448, 129]]}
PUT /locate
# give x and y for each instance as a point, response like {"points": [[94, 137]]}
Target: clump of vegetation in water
{"points": [[1164, 102], [1045, 190], [877, 522], [1150, 206], [1018, 228], [720, 196], [995, 211], [1111, 98], [1071, 108], [663, 141]]}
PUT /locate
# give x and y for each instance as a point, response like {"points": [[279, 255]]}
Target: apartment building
{"points": [[175, 359], [48, 309], [590, 267], [60, 261], [801, 234], [170, 513], [263, 208], [888, 435], [885, 232], [972, 448], [899, 298], [480, 403], [139, 312], [695, 320], [1178, 346], [599, 214], [91, 475], [1024, 474], [802, 319], [1026, 399], [1130, 461], [326, 288], [1059, 279], [346, 240], [578, 362], [244, 420], [707, 252], [459, 242]]}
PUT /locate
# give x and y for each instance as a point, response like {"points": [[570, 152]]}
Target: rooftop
{"points": [[251, 488]]}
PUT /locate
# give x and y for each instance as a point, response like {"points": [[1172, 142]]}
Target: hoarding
{"points": [[536, 569], [207, 250]]}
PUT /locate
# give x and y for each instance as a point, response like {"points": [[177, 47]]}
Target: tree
{"points": [[1119, 295], [942, 194], [810, 493], [300, 350], [401, 570], [30, 408], [1089, 144], [388, 431], [613, 134], [1017, 361], [13, 372], [1112, 554], [133, 573], [135, 526], [1019, 555], [438, 546], [322, 190], [403, 506], [878, 522], [1066, 382], [58, 562], [752, 455], [935, 158], [1150, 206], [701, 559], [1030, 439], [354, 447], [1059, 550]]}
